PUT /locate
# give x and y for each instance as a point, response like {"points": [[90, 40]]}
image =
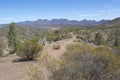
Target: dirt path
{"points": [[57, 53], [10, 70]]}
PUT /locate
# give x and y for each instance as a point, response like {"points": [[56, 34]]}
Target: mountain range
{"points": [[61, 23], [68, 23]]}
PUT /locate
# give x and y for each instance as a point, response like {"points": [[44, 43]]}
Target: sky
{"points": [[23, 10]]}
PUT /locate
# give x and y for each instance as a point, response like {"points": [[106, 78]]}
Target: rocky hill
{"points": [[113, 23]]}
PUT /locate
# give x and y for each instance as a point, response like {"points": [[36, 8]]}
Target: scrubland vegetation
{"points": [[81, 62], [94, 54]]}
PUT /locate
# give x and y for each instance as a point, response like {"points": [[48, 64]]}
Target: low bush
{"points": [[29, 49]]}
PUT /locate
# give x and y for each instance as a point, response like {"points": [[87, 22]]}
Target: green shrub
{"points": [[29, 49], [56, 47]]}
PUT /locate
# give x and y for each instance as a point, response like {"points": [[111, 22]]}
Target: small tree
{"points": [[13, 40], [29, 49], [117, 42], [99, 39]]}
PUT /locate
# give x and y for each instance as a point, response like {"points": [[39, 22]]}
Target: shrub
{"points": [[1, 52], [29, 49], [50, 38], [56, 47]]}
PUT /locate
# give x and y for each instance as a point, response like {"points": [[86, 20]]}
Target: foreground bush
{"points": [[29, 49]]}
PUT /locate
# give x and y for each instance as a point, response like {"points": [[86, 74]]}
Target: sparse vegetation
{"points": [[57, 35], [84, 62], [81, 60], [67, 48]]}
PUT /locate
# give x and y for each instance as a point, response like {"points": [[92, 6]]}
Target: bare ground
{"points": [[10, 70]]}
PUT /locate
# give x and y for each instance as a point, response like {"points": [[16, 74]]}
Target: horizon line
{"points": [[55, 18]]}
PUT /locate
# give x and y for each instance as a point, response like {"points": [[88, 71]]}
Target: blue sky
{"points": [[22, 10]]}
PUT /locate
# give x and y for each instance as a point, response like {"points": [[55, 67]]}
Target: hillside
{"points": [[25, 32], [113, 23]]}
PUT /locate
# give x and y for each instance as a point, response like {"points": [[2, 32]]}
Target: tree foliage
{"points": [[99, 39], [13, 37]]}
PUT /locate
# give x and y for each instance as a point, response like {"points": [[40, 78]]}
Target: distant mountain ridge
{"points": [[68, 23], [61, 23]]}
